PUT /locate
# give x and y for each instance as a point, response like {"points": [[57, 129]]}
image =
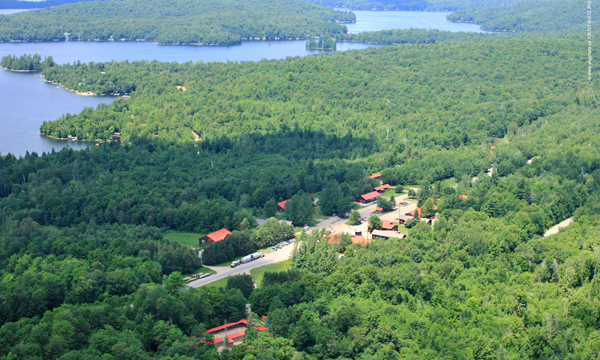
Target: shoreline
{"points": [[77, 92], [21, 71]]}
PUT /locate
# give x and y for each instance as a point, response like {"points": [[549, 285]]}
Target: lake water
{"points": [[26, 100], [387, 20]]}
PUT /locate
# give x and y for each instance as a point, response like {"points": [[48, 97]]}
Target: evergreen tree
{"points": [[299, 210], [270, 208]]}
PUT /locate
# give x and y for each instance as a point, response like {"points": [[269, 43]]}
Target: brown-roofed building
{"points": [[382, 188], [356, 239], [367, 198], [389, 225], [402, 219], [384, 235], [412, 213], [281, 205], [214, 237], [375, 176]]}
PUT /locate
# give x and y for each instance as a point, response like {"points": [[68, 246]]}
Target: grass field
{"points": [[184, 238], [258, 273], [219, 283]]}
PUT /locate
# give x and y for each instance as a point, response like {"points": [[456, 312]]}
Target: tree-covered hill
{"points": [[85, 273], [528, 16], [174, 21], [446, 94], [413, 5]]}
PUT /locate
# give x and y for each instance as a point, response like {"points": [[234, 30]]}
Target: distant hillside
{"points": [[20, 4], [527, 16], [423, 5], [203, 22]]}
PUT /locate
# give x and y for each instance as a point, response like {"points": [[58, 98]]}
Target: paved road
{"points": [[338, 225], [225, 271], [553, 230]]}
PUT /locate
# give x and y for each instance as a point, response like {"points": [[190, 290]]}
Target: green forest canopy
{"points": [[174, 21], [86, 274]]}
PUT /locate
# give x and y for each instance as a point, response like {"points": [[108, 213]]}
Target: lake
{"points": [[26, 100]]}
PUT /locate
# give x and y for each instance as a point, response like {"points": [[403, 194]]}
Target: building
{"points": [[375, 176], [379, 209], [403, 218], [356, 239], [367, 198], [227, 333], [384, 235], [388, 225], [412, 213], [214, 237], [462, 197], [281, 205], [382, 188]]}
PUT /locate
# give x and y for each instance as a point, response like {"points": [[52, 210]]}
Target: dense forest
{"points": [[86, 274], [528, 16], [207, 22], [26, 62], [412, 5]]}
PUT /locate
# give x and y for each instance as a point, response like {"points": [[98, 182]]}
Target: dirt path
{"points": [[225, 271], [554, 230]]}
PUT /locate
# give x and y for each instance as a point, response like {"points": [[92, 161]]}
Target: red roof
{"points": [[282, 204], [261, 328], [236, 335], [382, 187], [371, 195], [463, 197], [375, 176], [360, 240], [387, 225], [380, 209], [243, 321], [412, 213], [218, 235], [217, 340]]}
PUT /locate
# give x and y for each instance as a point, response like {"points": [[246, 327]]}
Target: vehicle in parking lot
{"points": [[404, 203], [278, 247], [307, 228]]}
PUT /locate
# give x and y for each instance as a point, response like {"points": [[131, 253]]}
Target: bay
{"points": [[26, 100]]}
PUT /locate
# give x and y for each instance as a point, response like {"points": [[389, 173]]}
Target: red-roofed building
{"points": [[412, 213], [388, 225], [463, 197], [281, 205], [379, 209], [227, 327], [357, 239], [367, 198], [214, 237], [382, 188], [375, 176], [360, 240]]}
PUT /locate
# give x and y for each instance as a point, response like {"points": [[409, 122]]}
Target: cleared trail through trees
{"points": [[554, 230]]}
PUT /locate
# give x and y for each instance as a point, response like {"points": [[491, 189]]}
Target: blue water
{"points": [[26, 100], [387, 20]]}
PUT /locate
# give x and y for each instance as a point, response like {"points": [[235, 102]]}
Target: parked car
{"points": [[404, 203], [307, 228], [277, 247]]}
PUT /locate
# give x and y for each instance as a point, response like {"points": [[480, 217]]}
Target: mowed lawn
{"points": [[184, 238], [257, 273]]}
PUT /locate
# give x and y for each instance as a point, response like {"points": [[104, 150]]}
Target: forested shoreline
{"points": [[174, 22]]}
